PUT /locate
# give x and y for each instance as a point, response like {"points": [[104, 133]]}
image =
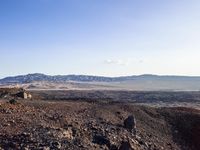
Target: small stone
{"points": [[8, 124], [26, 148], [56, 145], [46, 148], [68, 134], [12, 121]]}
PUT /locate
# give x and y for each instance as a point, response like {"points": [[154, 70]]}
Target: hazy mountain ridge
{"points": [[146, 82], [57, 78], [62, 78], [87, 78]]}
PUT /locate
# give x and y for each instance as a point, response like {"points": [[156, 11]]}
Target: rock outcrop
{"points": [[10, 93]]}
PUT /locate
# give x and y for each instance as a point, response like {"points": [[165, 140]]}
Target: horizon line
{"points": [[146, 74]]}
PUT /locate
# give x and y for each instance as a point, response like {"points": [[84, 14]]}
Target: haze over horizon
{"points": [[105, 38], [133, 75]]}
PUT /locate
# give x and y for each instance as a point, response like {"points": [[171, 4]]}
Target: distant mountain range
{"points": [[58, 78], [85, 78], [141, 82]]}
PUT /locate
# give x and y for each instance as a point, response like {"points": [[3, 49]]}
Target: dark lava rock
{"points": [[56, 145], [125, 146], [130, 124], [12, 101], [101, 140], [22, 94]]}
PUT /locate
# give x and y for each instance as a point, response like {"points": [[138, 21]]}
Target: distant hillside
{"points": [[141, 82], [58, 78], [85, 78]]}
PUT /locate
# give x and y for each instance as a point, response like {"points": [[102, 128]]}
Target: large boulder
{"points": [[130, 124], [22, 94]]}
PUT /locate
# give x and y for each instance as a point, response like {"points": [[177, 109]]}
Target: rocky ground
{"points": [[97, 125], [86, 125]]}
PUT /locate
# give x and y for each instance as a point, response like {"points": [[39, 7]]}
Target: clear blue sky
{"points": [[100, 37]]}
